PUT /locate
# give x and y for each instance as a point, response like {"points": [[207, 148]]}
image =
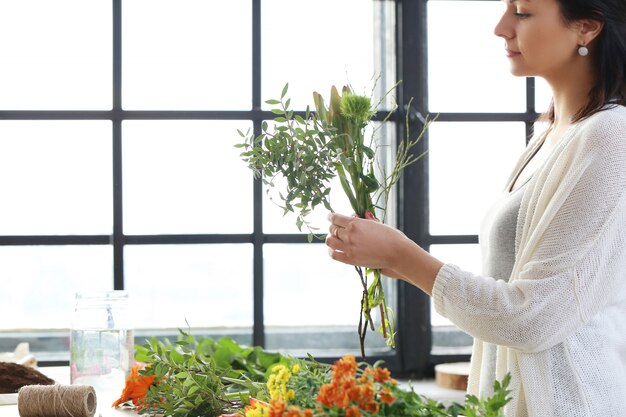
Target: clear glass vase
{"points": [[101, 342]]}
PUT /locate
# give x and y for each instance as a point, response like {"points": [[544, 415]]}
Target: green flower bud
{"points": [[356, 108]]}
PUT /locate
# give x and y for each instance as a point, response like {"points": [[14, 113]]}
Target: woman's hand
{"points": [[363, 242]]}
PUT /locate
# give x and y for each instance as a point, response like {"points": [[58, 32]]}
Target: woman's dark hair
{"points": [[608, 53]]}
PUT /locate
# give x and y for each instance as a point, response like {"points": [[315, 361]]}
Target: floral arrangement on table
{"points": [[210, 378], [331, 142]]}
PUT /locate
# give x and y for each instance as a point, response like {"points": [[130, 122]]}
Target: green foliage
{"points": [[492, 406], [307, 382], [410, 404], [202, 376], [189, 383], [308, 152], [206, 377]]}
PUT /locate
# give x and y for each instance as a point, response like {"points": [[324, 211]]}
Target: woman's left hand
{"points": [[362, 242]]}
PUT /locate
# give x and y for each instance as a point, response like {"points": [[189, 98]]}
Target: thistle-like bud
{"points": [[356, 108]]}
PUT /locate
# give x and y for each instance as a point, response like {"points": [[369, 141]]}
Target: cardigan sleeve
{"points": [[577, 267]]}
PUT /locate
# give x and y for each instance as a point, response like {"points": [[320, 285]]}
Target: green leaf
{"points": [[346, 187], [285, 89], [371, 183], [369, 152], [272, 101]]}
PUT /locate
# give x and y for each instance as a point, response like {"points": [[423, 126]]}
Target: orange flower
{"points": [[277, 408], [294, 412], [345, 368], [386, 396], [345, 393], [367, 373], [372, 407], [353, 411], [382, 375], [135, 388], [328, 394]]}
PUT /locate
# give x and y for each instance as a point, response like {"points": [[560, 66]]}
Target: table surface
{"points": [[61, 374]]}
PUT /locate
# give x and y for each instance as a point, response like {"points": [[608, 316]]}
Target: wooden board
{"points": [[452, 375]]}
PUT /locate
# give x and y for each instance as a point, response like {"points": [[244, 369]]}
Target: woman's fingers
{"points": [[337, 255], [339, 224], [339, 219]]}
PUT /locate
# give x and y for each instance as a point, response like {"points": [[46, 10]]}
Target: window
{"points": [[117, 121]]}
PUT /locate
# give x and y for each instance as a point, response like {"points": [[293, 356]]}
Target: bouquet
{"points": [[331, 142]]}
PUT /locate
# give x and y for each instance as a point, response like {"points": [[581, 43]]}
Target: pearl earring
{"points": [[583, 51]]}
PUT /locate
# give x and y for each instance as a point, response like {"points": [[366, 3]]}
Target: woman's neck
{"points": [[570, 92]]}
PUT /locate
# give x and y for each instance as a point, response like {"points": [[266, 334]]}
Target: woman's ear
{"points": [[588, 30]]}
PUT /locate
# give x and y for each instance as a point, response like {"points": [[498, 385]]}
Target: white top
{"points": [[560, 320]]}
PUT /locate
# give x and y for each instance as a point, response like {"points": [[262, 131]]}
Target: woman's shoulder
{"points": [[606, 129], [611, 118]]}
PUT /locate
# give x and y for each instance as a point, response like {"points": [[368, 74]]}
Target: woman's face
{"points": [[537, 40]]}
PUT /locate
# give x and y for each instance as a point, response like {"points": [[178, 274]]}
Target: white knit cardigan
{"points": [[560, 322]]}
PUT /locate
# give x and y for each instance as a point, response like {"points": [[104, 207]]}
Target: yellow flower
{"points": [[295, 369], [277, 382], [290, 395]]}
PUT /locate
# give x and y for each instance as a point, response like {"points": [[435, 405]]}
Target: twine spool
{"points": [[56, 401]]}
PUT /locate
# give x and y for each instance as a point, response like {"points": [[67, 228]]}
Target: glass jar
{"points": [[101, 342]]}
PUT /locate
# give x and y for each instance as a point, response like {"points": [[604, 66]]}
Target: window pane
{"points": [[207, 286], [543, 95], [306, 291], [467, 68], [56, 177], [187, 55], [40, 283], [469, 164], [314, 48], [185, 177], [58, 56]]}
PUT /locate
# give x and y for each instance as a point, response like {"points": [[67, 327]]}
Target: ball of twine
{"points": [[56, 401]]}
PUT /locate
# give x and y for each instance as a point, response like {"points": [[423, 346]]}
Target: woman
{"points": [[550, 307]]}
